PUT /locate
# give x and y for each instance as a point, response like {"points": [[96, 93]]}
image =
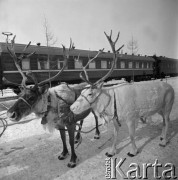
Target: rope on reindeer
{"points": [[5, 124]]}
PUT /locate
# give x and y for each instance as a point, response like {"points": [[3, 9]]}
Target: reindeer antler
{"points": [[66, 54], [9, 82], [86, 78], [112, 44], [18, 59]]}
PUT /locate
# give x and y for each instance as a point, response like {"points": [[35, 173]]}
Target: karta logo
{"points": [[114, 169]]}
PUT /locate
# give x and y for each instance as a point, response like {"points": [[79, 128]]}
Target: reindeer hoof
{"points": [[63, 156], [97, 136], [131, 155], [71, 165], [109, 155], [78, 139], [163, 143]]}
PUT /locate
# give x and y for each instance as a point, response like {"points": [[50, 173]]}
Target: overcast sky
{"points": [[153, 23]]}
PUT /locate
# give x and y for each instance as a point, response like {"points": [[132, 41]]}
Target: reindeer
{"points": [[51, 104], [127, 102]]}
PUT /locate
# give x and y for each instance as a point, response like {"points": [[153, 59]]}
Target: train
{"points": [[47, 61]]}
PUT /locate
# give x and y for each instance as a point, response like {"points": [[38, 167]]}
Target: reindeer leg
{"points": [[74, 159], [163, 129], [97, 132], [65, 152], [131, 127], [164, 139], [112, 151], [78, 136]]}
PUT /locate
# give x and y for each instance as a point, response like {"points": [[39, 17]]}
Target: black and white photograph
{"points": [[88, 89]]}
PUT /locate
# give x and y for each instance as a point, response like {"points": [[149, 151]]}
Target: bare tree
{"points": [[49, 36], [50, 41], [133, 46]]}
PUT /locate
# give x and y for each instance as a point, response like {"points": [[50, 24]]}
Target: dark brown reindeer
{"points": [[51, 104]]}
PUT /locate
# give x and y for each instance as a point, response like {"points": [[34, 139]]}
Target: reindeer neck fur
{"points": [[103, 105], [106, 98], [41, 108]]}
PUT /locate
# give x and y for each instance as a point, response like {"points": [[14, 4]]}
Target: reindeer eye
{"points": [[90, 94], [31, 98]]}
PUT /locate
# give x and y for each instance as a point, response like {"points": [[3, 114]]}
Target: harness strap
{"points": [[44, 120], [25, 102], [104, 113], [62, 99], [90, 103]]}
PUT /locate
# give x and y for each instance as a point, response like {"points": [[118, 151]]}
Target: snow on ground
{"points": [[7, 93], [28, 152]]}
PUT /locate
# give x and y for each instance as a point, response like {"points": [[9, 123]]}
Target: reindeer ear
{"points": [[43, 89], [100, 85]]}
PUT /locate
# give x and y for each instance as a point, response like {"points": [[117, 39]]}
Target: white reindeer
{"points": [[127, 102]]}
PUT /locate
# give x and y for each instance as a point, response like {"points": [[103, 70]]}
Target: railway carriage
{"points": [[164, 66], [47, 60]]}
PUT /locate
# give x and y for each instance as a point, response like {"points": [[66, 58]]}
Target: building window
{"points": [[103, 65], [26, 64], [130, 65], [137, 65], [147, 65], [92, 65], [122, 64]]}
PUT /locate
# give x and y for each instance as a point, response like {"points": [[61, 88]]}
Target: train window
{"points": [[26, 64], [115, 66], [43, 64], [130, 65], [137, 65], [53, 62], [150, 65], [103, 65], [59, 64], [110, 63], [92, 65], [122, 64], [142, 65], [78, 64]]}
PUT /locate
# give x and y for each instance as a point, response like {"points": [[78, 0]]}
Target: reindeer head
{"points": [[32, 98], [89, 96]]}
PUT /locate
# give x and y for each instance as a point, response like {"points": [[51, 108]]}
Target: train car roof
{"points": [[76, 52], [163, 58]]}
